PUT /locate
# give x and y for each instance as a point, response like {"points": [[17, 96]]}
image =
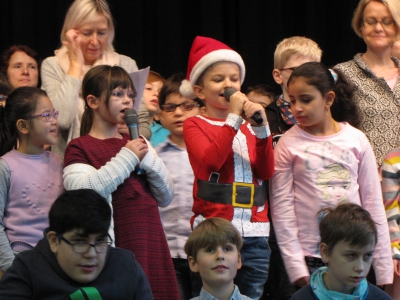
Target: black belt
{"points": [[239, 194]]}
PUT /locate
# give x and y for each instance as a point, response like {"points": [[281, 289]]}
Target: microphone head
{"points": [[131, 117], [228, 93]]}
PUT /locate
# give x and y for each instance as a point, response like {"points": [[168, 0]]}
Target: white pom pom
{"points": [[186, 89]]}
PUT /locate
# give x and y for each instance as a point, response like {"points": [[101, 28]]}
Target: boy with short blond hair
{"points": [[213, 250]]}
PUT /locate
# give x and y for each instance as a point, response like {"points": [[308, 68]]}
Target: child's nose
{"points": [[359, 266]]}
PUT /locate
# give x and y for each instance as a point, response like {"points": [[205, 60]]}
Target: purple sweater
{"points": [[34, 182]]}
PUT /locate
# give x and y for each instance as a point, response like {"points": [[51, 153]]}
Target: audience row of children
{"points": [[321, 161]]}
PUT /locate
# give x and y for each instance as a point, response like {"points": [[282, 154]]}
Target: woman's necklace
{"points": [[336, 127]]}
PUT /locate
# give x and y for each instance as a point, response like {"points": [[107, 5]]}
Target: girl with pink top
{"points": [[30, 177], [321, 162]]}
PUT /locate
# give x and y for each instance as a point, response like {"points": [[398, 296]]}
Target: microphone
{"points": [[256, 117], [132, 121]]}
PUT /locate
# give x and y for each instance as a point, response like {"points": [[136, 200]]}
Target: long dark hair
{"points": [[317, 74], [100, 81], [20, 104]]}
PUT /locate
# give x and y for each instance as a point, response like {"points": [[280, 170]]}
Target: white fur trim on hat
{"points": [[186, 89], [217, 56]]}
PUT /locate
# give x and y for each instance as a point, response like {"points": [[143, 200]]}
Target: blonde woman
{"points": [[86, 37]]}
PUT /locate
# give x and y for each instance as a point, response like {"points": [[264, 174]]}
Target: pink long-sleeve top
{"points": [[312, 172]]}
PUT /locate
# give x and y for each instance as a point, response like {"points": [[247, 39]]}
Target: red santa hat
{"points": [[206, 51]]}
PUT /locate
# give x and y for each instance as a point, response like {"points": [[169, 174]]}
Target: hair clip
{"points": [[334, 75]]}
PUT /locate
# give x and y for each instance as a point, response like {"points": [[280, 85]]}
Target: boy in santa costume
{"points": [[231, 156]]}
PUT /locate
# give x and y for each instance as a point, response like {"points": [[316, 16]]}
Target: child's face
{"points": [[80, 267], [173, 121], [308, 105], [150, 96], [282, 75], [347, 265], [42, 132], [260, 99], [216, 266], [121, 99], [219, 77]]}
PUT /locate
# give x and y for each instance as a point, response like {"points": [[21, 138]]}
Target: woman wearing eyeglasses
{"points": [[375, 73]]}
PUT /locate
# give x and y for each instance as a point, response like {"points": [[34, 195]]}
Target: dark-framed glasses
{"points": [[371, 22], [186, 106], [83, 247], [47, 116]]}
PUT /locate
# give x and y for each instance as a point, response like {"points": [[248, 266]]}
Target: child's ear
{"points": [[198, 90], [330, 97], [92, 101], [239, 261], [277, 76], [193, 264], [324, 251], [23, 126], [53, 241]]}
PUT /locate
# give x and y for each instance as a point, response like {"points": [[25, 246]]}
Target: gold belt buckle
{"points": [[234, 194]]}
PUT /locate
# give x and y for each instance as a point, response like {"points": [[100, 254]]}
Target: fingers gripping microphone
{"points": [[132, 121], [256, 117]]}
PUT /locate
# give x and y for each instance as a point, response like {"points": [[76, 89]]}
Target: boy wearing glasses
{"points": [[74, 260], [174, 110]]}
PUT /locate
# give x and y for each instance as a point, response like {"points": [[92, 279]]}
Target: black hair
{"points": [[20, 104], [317, 74], [82, 209], [100, 81], [171, 86], [262, 89]]}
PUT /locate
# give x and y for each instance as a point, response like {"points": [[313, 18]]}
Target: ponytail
{"points": [[344, 109], [317, 74]]}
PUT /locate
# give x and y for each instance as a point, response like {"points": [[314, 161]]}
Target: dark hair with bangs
{"points": [[171, 86], [99, 82], [318, 75], [82, 209], [20, 104], [211, 233], [347, 222]]}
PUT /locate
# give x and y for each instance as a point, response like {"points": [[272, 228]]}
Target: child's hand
{"points": [[236, 103], [250, 108], [138, 146]]}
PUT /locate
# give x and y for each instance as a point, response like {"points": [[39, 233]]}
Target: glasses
{"points": [[48, 116], [288, 69], [186, 106], [371, 22], [83, 247]]}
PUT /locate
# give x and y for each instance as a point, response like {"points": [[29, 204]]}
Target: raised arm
{"points": [[104, 180]]}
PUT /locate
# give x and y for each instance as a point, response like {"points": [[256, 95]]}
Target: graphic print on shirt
{"points": [[334, 181]]}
